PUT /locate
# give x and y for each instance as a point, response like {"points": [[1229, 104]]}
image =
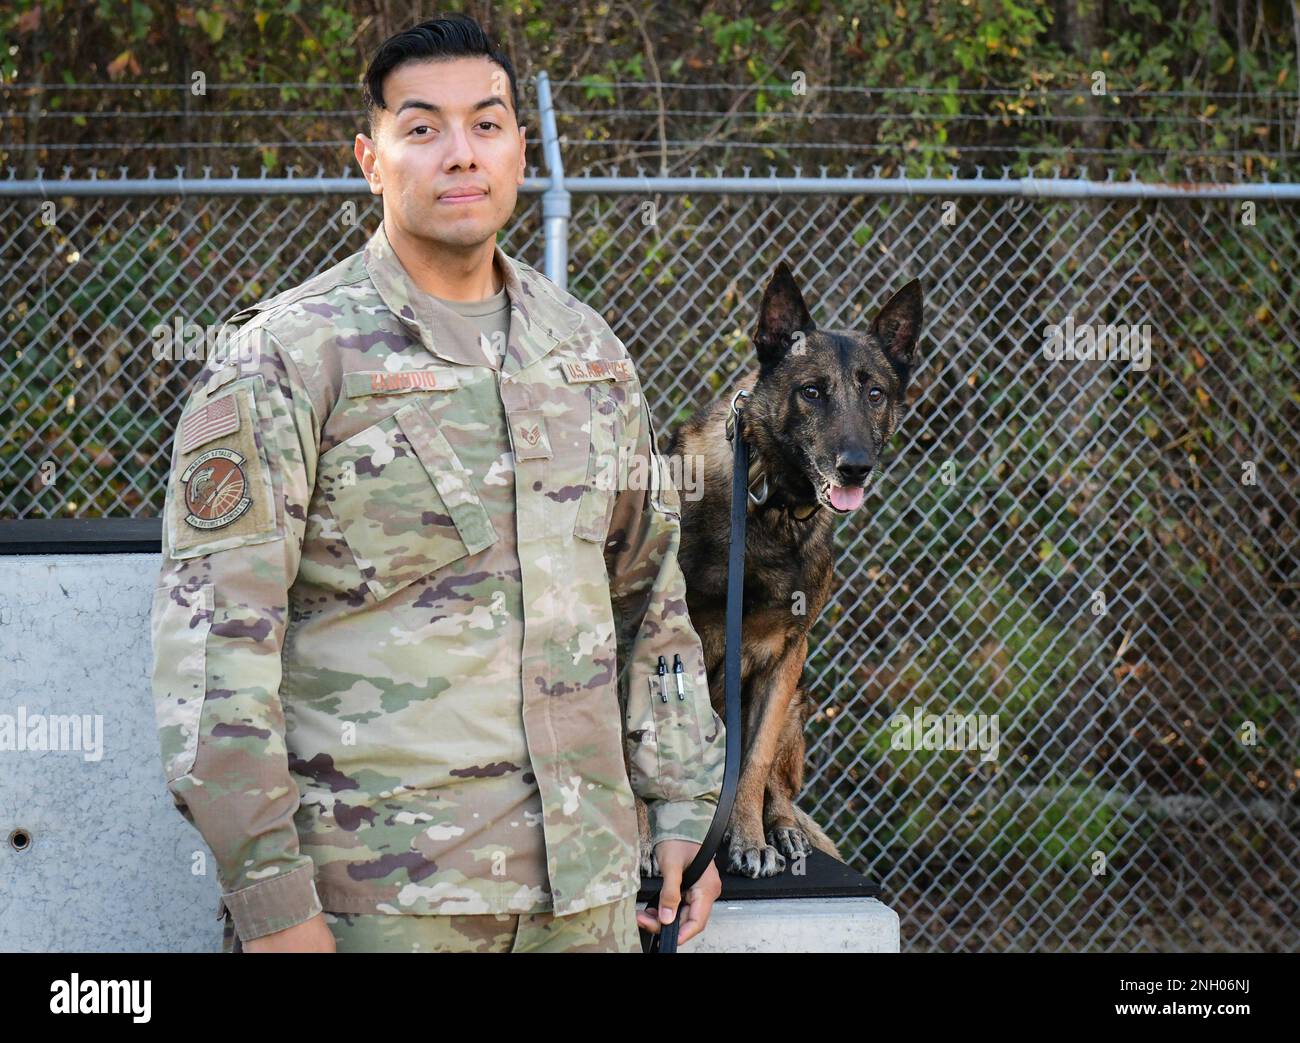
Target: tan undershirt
{"points": [[487, 320]]}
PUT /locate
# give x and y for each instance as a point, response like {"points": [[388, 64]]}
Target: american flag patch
{"points": [[216, 418]]}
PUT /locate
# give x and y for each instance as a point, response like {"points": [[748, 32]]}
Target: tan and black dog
{"points": [[821, 409]]}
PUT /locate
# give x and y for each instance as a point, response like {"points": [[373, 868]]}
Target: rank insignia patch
{"points": [[216, 489], [529, 432]]}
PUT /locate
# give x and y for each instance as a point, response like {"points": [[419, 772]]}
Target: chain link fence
{"points": [[1098, 557]]}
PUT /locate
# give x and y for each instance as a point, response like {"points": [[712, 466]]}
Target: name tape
{"points": [[383, 382]]}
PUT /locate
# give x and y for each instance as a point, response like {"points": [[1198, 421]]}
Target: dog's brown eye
{"points": [[875, 395], [810, 391]]}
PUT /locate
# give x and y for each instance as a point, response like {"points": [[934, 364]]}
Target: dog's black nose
{"points": [[853, 467]]}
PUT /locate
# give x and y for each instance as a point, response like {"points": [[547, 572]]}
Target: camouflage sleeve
{"points": [[676, 744], [243, 467]]}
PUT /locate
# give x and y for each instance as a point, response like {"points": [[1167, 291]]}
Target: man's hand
{"points": [[673, 857], [311, 935]]}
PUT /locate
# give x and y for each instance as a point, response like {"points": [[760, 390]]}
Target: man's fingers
{"points": [[648, 920], [695, 913], [673, 857], [670, 895]]}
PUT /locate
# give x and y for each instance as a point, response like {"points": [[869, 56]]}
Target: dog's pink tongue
{"points": [[844, 499]]}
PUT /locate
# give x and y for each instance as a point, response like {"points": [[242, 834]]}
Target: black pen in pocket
{"points": [[677, 673]]}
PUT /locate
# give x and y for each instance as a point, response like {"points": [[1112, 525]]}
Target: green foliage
{"points": [[126, 286], [1145, 46]]}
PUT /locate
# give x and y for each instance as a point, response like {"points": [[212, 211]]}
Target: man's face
{"points": [[448, 153]]}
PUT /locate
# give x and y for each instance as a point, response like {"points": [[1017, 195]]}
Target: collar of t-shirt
{"points": [[488, 320]]}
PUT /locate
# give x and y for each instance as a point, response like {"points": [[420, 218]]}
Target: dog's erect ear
{"points": [[781, 314], [898, 325]]}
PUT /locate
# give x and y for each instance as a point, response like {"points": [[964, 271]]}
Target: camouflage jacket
{"points": [[411, 608]]}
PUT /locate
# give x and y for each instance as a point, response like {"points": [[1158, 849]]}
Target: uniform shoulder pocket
{"points": [[668, 734], [181, 618], [677, 727], [220, 493]]}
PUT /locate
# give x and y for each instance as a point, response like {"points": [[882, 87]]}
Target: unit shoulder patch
{"points": [[221, 490], [215, 489]]}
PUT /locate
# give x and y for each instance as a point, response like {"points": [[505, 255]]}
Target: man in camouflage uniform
{"points": [[414, 597]]}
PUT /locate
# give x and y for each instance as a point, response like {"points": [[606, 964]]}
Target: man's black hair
{"points": [[451, 36]]}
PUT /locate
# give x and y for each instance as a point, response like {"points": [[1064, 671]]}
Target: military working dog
{"points": [[821, 409]]}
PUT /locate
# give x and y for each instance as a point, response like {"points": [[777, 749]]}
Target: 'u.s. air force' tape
{"points": [[576, 370]]}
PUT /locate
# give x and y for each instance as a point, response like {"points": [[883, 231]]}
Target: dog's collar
{"points": [[798, 511], [757, 478]]}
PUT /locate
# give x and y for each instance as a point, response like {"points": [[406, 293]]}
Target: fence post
{"points": [[555, 200]]}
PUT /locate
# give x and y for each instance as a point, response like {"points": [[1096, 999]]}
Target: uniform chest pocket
{"points": [[403, 501], [597, 501]]}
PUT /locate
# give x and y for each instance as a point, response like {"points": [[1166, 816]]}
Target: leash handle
{"points": [[666, 939]]}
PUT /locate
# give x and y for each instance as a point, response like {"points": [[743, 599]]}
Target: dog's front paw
{"points": [[649, 864], [791, 841], [752, 858]]}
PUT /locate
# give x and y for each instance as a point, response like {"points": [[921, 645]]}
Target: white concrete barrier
{"points": [[109, 864], [798, 925]]}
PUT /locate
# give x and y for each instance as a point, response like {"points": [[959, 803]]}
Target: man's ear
{"points": [[367, 158], [780, 316], [523, 154], [897, 326]]}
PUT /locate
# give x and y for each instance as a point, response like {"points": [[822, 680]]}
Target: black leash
{"points": [[666, 939]]}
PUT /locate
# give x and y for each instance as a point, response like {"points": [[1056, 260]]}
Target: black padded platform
{"points": [[81, 536], [824, 878]]}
